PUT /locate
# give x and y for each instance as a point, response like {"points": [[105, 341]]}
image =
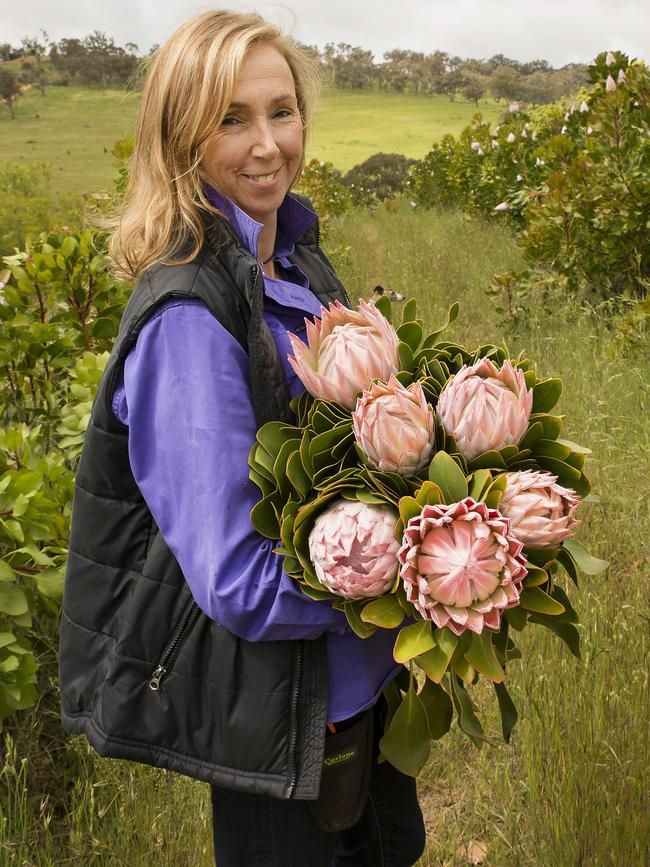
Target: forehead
{"points": [[264, 69]]}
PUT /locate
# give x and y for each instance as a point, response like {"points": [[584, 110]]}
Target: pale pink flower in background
{"points": [[610, 59], [354, 550], [394, 426], [346, 350], [610, 84], [513, 107], [584, 106], [511, 137], [501, 207], [620, 78], [461, 566], [541, 512], [485, 408]]}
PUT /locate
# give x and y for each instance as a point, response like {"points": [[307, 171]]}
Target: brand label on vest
{"points": [[342, 757]]}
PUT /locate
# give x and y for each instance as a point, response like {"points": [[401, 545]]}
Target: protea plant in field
{"points": [[484, 407], [345, 351], [540, 511], [353, 548], [461, 566], [394, 427]]}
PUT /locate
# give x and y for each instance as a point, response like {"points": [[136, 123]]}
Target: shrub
{"points": [[380, 177]]}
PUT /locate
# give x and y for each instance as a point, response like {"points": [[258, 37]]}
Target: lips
{"points": [[267, 178]]}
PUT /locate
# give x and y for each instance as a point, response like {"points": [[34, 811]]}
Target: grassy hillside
{"points": [[74, 129]]}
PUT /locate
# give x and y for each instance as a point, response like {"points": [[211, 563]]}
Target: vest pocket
{"points": [[174, 645]]}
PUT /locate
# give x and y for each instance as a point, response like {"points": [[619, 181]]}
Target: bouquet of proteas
{"points": [[425, 486]]}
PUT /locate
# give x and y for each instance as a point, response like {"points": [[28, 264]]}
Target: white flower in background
{"points": [[566, 116], [511, 137], [514, 106], [519, 178], [534, 135], [610, 85], [563, 130], [495, 143], [503, 206], [475, 146], [413, 204], [621, 77], [524, 134], [584, 106], [539, 162], [589, 130], [572, 109], [610, 59]]}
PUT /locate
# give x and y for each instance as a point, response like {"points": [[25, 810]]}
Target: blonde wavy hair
{"points": [[186, 95]]}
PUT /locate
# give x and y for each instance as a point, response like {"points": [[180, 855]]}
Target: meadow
{"points": [[570, 790], [73, 129]]}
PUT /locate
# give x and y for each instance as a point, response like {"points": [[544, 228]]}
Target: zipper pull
{"points": [[156, 677]]}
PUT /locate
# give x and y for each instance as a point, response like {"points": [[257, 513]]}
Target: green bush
{"points": [[575, 181], [379, 178], [59, 313]]}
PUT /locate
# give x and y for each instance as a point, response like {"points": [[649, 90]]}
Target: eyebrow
{"points": [[281, 98]]}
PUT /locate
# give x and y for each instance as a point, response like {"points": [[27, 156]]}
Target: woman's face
{"points": [[254, 156]]}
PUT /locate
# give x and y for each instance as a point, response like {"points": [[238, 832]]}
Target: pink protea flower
{"points": [[485, 408], [346, 350], [353, 548], [540, 511], [461, 565], [394, 426]]}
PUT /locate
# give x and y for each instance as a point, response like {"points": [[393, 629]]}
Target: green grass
{"points": [[570, 790], [74, 129]]}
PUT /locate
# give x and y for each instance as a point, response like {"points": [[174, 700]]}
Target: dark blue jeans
{"points": [[259, 831]]}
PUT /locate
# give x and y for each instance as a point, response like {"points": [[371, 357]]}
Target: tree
{"points": [[9, 90], [474, 86], [505, 83]]}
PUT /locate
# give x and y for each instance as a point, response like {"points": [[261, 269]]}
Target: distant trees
{"points": [[96, 59]]}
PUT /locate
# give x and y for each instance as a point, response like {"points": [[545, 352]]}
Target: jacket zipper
{"points": [[293, 772], [189, 619]]}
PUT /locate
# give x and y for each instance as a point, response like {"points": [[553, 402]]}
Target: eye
{"points": [[230, 120], [284, 112]]}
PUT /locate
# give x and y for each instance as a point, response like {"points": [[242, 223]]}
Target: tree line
{"points": [[98, 60]]}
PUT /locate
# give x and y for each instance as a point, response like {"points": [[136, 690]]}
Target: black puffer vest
{"points": [[145, 674]]}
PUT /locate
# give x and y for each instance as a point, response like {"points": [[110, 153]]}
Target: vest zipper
{"points": [[189, 619], [293, 771]]}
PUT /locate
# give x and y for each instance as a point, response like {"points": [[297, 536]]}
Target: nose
{"points": [[264, 143]]}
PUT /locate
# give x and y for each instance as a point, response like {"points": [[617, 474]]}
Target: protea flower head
{"points": [[540, 511], [461, 566], [346, 350], [610, 59], [394, 426], [354, 550], [485, 408], [620, 78], [610, 84]]}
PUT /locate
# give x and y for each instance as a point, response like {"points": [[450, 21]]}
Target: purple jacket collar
{"points": [[294, 219]]}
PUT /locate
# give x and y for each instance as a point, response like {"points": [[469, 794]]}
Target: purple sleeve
{"points": [[191, 425]]}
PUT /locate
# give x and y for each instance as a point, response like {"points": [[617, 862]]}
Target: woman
{"points": [[184, 644]]}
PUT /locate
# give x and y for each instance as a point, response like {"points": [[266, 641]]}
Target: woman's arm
{"points": [[187, 403]]}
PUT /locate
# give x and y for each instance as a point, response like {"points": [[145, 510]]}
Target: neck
{"points": [[266, 240]]}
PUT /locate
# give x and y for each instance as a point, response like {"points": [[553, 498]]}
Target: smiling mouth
{"points": [[263, 179]]}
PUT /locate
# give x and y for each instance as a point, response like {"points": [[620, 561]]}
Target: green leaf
{"points": [[434, 662], [6, 572], [534, 599], [532, 436], [566, 631], [467, 719], [429, 494], [352, 611], [385, 308], [482, 657], [566, 560], [479, 483], [551, 424], [438, 708], [411, 334], [516, 617], [546, 394], [264, 519], [488, 461], [508, 710], [50, 583], [409, 311], [445, 472], [586, 562], [405, 355], [297, 475], [13, 600], [408, 508], [413, 640], [385, 611], [406, 743], [535, 576]]}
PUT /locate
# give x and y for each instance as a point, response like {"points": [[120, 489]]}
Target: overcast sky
{"points": [[560, 31]]}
